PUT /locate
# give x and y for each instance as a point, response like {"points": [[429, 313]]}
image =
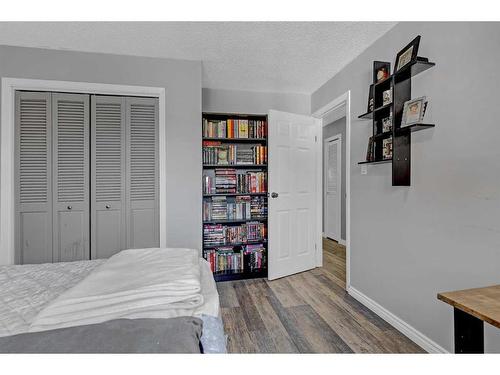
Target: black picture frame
{"points": [[413, 46]]}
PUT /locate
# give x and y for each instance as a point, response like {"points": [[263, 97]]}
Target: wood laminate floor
{"points": [[309, 312]]}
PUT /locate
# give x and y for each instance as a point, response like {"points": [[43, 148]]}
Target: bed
{"points": [[27, 292]]}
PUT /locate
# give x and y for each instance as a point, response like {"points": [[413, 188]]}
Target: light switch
{"points": [[364, 169]]}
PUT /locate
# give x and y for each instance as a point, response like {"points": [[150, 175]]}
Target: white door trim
{"points": [[335, 105], [339, 195], [9, 87]]}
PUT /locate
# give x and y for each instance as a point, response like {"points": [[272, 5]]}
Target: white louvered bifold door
{"points": [[33, 221], [108, 228], [142, 173], [70, 126]]}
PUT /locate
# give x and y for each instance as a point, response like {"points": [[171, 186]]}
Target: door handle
{"points": [[274, 195], [70, 207], [108, 206]]}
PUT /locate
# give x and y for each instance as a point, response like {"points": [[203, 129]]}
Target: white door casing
{"points": [[332, 186], [293, 190]]}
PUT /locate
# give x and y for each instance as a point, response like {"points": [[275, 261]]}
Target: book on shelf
{"points": [[215, 153], [254, 257], [229, 181], [234, 128], [225, 258], [219, 234], [242, 207]]}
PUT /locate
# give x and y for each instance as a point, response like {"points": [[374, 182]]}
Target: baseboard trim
{"points": [[342, 242], [413, 334]]}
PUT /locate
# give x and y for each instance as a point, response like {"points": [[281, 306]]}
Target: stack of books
{"points": [[258, 207], [214, 128], [208, 185], [240, 209], [259, 154], [218, 234], [245, 156], [252, 182], [236, 234], [214, 153], [225, 181], [224, 259], [218, 208], [255, 231], [254, 257], [214, 235]]}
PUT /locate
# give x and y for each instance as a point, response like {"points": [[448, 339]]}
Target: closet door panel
{"points": [[142, 173], [70, 115], [108, 230], [33, 163]]}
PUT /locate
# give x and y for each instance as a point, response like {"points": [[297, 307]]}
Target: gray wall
{"points": [[232, 101], [334, 128], [443, 232], [182, 81]]}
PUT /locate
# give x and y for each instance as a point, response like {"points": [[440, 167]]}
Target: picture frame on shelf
{"points": [[371, 100], [414, 111], [387, 124], [407, 54], [381, 71], [387, 148], [387, 97], [370, 152]]}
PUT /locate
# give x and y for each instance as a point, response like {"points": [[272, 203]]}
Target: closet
{"points": [[86, 176]]}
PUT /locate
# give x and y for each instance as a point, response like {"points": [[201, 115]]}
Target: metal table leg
{"points": [[469, 333]]}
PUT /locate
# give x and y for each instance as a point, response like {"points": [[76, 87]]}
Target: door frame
{"points": [[341, 104], [7, 149], [325, 184]]}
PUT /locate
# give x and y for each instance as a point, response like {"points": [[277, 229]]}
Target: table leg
{"points": [[469, 333]]}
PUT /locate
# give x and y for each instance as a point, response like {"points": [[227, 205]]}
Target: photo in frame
{"points": [[407, 54], [387, 124], [387, 97], [414, 111], [387, 148]]}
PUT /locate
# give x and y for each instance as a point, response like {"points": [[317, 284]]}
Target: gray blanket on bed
{"points": [[175, 335]]}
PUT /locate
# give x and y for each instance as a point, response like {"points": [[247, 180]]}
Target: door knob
{"points": [[274, 195], [108, 206], [70, 207]]}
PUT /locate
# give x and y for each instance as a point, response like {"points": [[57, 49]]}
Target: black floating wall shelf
{"points": [[400, 83]]}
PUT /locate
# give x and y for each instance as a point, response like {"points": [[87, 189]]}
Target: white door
{"points": [[332, 204], [292, 187]]}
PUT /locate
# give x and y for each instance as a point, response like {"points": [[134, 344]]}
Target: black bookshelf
{"points": [[210, 169], [400, 84]]}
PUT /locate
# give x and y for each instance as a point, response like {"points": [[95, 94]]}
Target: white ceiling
{"points": [[261, 56]]}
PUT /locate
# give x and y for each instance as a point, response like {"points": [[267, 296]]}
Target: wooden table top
{"points": [[483, 303]]}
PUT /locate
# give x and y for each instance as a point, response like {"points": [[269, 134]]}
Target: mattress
{"points": [[26, 289]]}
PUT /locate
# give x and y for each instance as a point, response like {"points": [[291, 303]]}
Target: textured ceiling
{"points": [[260, 56]]}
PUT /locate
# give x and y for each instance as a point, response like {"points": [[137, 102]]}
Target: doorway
{"points": [[334, 199]]}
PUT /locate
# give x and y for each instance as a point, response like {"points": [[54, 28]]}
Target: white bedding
{"points": [[138, 283], [26, 290]]}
